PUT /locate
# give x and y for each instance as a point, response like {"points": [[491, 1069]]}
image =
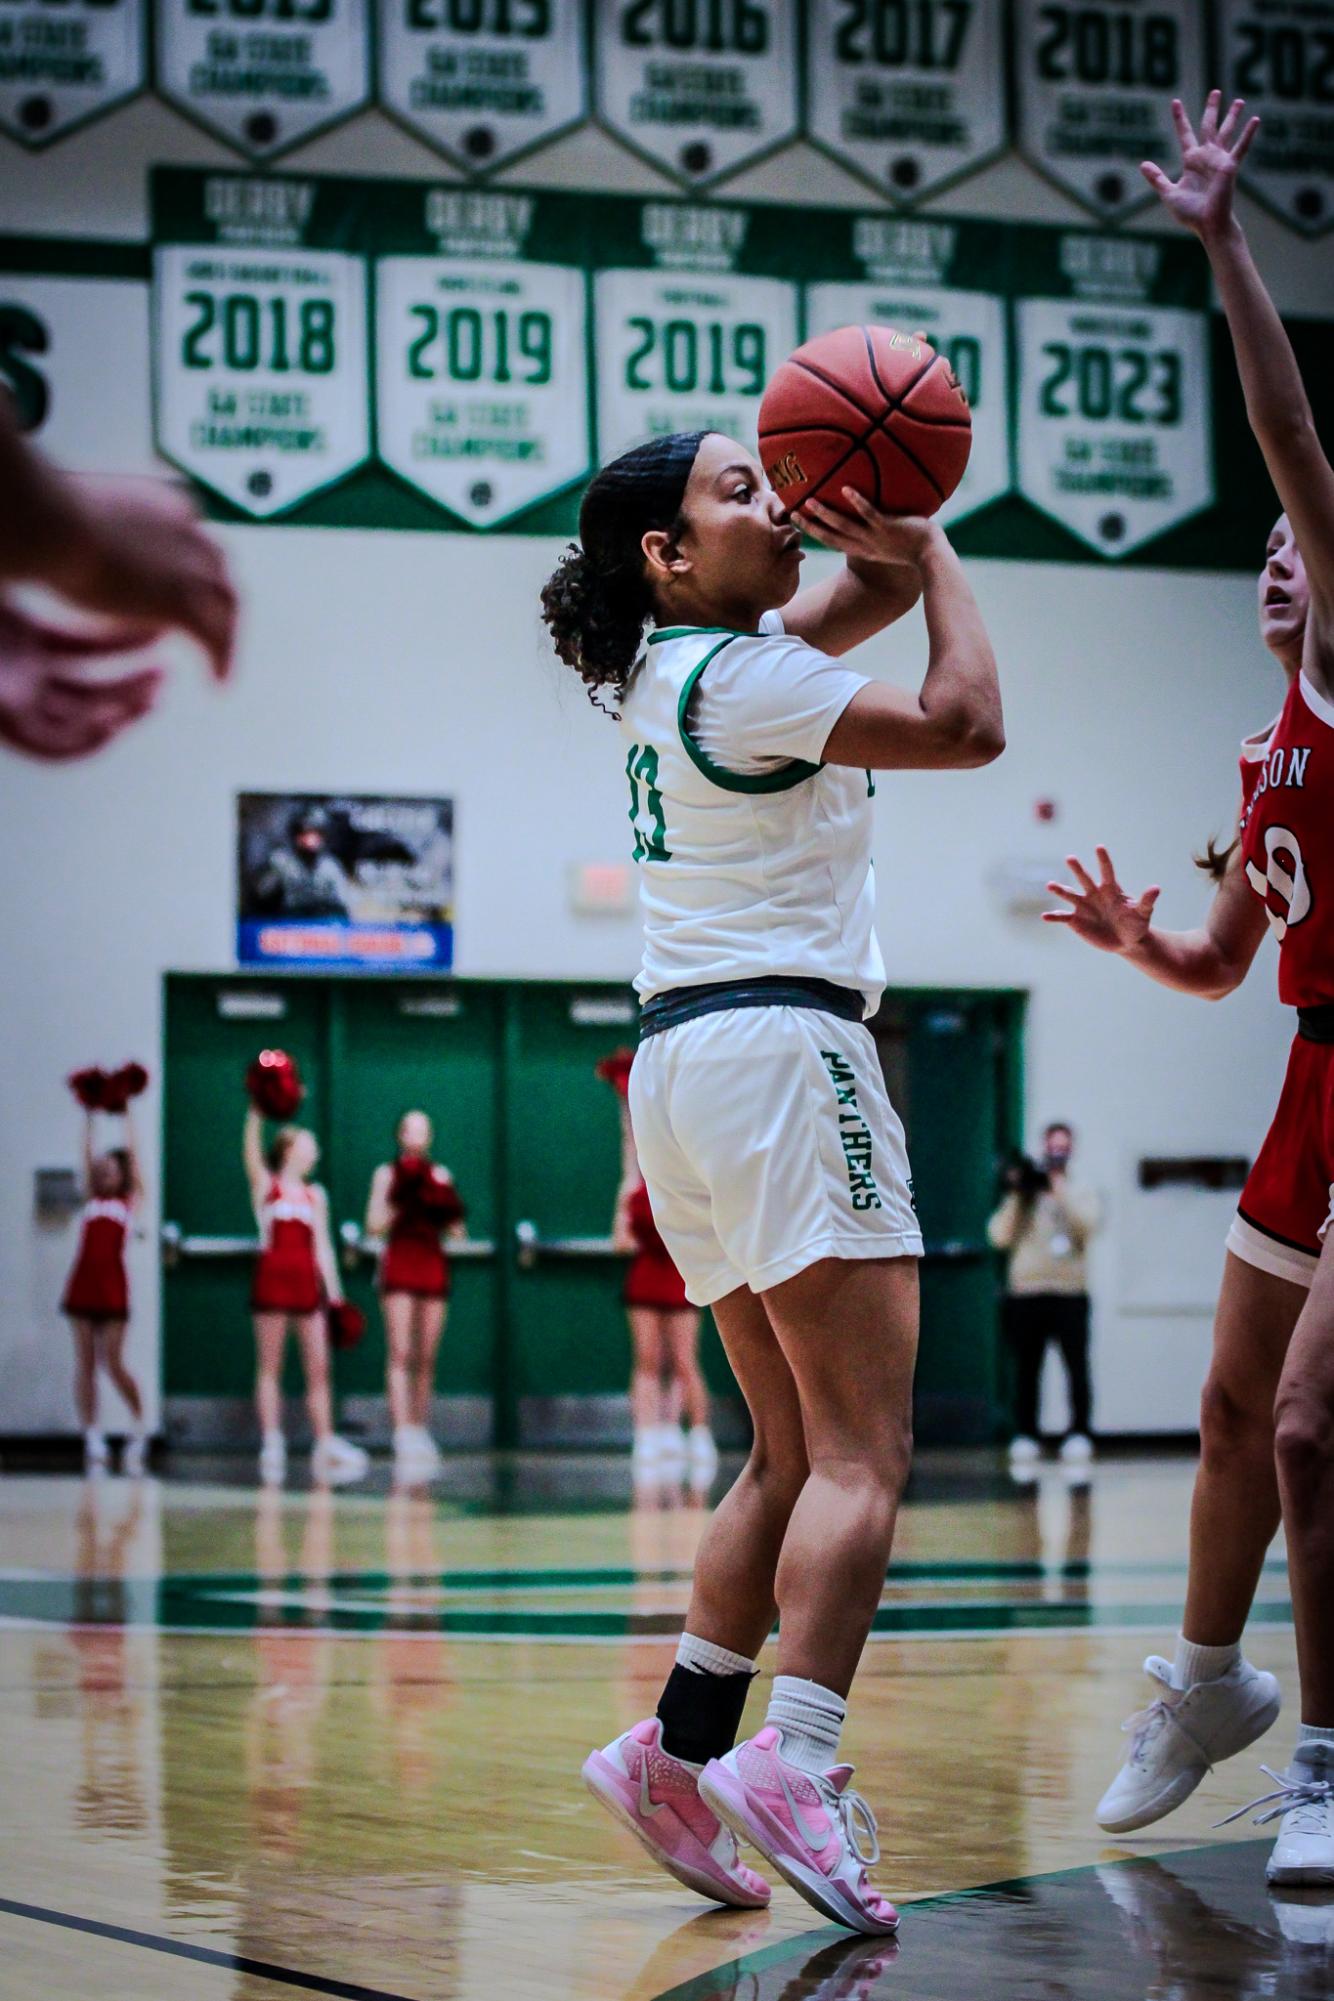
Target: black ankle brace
{"points": [[700, 1713]]}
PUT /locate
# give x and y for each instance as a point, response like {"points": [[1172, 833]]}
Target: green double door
{"points": [[535, 1347]]}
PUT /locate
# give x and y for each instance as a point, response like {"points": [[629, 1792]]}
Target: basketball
{"points": [[871, 408]]}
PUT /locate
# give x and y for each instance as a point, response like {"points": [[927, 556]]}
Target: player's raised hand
{"points": [[867, 535], [1100, 912], [1201, 197]]}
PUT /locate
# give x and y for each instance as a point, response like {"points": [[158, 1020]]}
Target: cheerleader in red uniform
{"points": [[296, 1275], [97, 1294], [413, 1204], [664, 1326]]}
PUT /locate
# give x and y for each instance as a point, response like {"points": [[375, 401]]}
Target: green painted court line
{"points": [[174, 1606], [609, 1576]]}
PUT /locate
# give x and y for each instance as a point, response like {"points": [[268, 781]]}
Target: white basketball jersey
{"points": [[745, 873]]}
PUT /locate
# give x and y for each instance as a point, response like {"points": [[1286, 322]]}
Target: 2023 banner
{"points": [[908, 95]]}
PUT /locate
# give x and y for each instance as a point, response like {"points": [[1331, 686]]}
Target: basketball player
{"points": [[1267, 1419], [775, 1162], [130, 551], [97, 1295], [295, 1274], [412, 1201]]}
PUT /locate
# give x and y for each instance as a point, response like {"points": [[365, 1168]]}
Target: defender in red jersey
{"points": [[667, 1382], [96, 1299], [1267, 1416], [296, 1276], [413, 1206]]}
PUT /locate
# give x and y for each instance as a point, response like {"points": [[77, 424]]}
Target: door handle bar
{"points": [[356, 1244], [530, 1246]]}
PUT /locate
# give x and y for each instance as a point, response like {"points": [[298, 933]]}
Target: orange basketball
{"points": [[869, 408]]}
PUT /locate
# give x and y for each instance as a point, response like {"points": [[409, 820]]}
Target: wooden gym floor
{"points": [[258, 1742]]}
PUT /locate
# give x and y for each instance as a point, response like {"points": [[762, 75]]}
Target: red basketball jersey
{"points": [[1287, 840]]}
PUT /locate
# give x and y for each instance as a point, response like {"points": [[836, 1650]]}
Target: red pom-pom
{"points": [[438, 1199], [274, 1084], [89, 1087], [347, 1324], [615, 1070], [122, 1085]]}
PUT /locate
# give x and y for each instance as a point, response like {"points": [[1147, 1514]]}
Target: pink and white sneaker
{"points": [[657, 1797], [810, 1825]]}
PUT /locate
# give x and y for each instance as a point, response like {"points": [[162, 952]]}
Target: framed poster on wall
{"points": [[360, 882]]}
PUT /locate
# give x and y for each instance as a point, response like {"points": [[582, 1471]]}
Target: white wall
{"points": [[417, 663]]}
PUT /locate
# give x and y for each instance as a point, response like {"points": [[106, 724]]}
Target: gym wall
{"points": [[399, 662]]}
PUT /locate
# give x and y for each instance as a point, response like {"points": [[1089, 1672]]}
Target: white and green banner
{"points": [[699, 87], [687, 351], [482, 80], [260, 363], [480, 380], [62, 64], [1279, 56], [263, 74], [1095, 82], [1114, 395], [908, 93]]}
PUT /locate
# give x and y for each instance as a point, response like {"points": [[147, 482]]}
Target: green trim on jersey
{"points": [[688, 631], [792, 774]]}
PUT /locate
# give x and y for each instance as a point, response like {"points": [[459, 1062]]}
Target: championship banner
{"points": [[1279, 56], [1095, 84], [61, 66], [260, 342], [700, 87], [1114, 389], [688, 343], [481, 358], [920, 277], [482, 82], [263, 84], [349, 882], [910, 94], [57, 328]]}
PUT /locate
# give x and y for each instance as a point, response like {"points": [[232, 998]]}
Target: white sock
{"points": [[810, 1719], [706, 1658], [274, 1441], [1315, 1733], [1193, 1663]]}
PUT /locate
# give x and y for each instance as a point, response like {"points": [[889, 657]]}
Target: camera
{"points": [[1025, 1178]]}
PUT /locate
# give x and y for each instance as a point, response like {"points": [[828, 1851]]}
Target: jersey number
{"points": [[650, 844], [1282, 882]]}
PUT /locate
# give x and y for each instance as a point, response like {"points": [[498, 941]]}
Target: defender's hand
{"points": [[1101, 913]]}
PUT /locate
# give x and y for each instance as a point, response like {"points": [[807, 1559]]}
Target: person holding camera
{"points": [[1044, 1223]]}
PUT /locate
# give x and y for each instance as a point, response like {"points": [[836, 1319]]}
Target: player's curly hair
{"points": [[597, 600]]}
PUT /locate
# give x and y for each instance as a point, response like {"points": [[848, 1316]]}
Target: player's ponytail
{"points": [[598, 599], [1214, 861]]}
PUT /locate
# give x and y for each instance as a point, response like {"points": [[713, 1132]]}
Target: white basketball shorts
{"points": [[767, 1140]]}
